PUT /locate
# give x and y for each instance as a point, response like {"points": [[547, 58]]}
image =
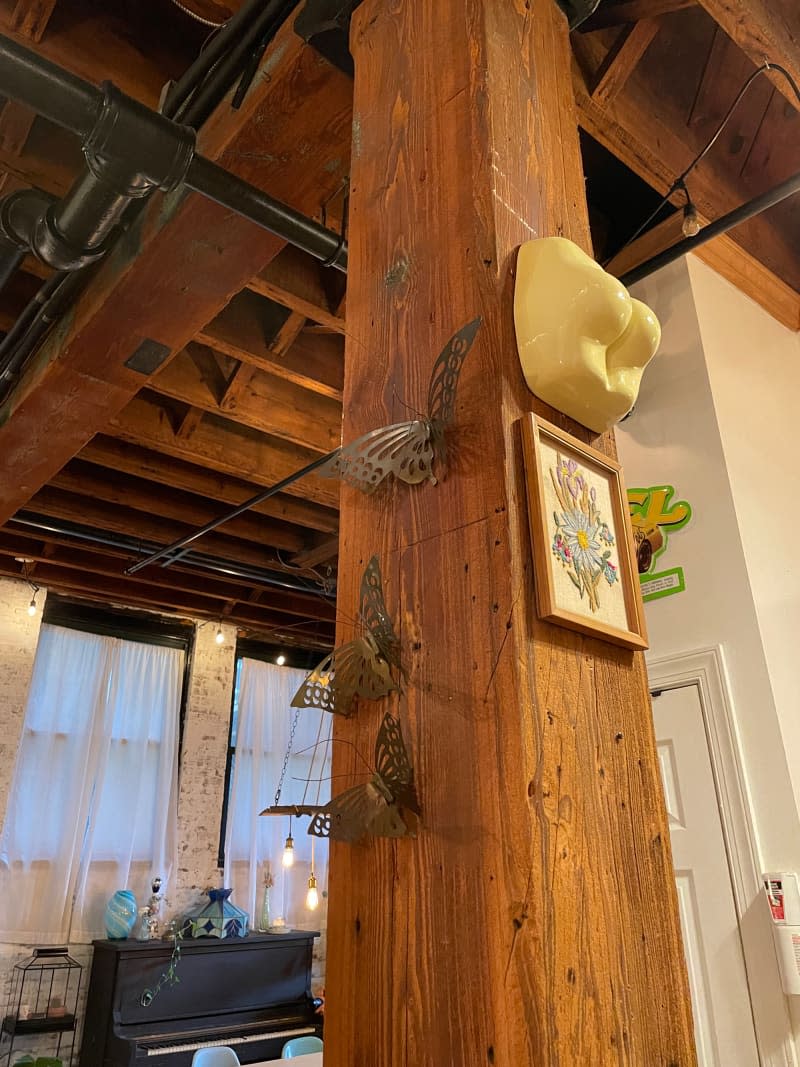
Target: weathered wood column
{"points": [[533, 920]]}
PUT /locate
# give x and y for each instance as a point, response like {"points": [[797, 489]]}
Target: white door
{"points": [[723, 1018]]}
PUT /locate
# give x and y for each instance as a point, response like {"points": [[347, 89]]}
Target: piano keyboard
{"points": [[230, 1042]]}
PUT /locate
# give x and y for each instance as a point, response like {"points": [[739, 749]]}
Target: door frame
{"points": [[705, 668]]}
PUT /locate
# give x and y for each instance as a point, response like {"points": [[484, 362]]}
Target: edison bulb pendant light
{"points": [[32, 605], [288, 848], [312, 896]]}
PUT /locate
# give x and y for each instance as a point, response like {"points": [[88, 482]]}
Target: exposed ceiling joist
{"points": [[621, 60], [609, 15], [763, 29], [144, 463], [188, 253], [30, 17]]}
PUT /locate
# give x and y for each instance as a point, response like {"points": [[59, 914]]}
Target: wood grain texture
{"points": [[30, 17], [631, 11], [179, 266], [533, 919], [763, 29], [621, 60]]}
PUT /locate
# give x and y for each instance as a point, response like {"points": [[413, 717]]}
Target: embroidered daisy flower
{"points": [[581, 537]]}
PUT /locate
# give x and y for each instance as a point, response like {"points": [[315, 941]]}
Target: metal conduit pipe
{"points": [[195, 560], [130, 150], [714, 229]]}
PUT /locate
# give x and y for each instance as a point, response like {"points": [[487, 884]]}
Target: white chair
{"points": [[219, 1056]]}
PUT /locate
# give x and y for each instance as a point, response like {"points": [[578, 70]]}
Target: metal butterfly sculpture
{"points": [[408, 450], [361, 667], [374, 808]]}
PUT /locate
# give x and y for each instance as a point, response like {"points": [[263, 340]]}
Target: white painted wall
{"points": [[674, 438], [754, 369]]}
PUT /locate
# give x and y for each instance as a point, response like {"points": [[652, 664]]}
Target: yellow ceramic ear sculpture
{"points": [[583, 340]]}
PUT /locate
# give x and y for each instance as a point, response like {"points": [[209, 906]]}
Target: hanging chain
{"points": [[286, 757]]}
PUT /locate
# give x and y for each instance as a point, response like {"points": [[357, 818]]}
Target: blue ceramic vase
{"points": [[120, 915]]}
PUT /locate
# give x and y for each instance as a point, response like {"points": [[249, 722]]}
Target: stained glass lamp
{"points": [[218, 918]]}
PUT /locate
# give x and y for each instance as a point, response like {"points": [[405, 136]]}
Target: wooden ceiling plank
{"points": [[180, 264], [30, 17], [261, 401], [609, 15], [224, 446], [176, 473], [48, 175], [622, 59], [97, 483], [763, 29], [16, 121], [630, 128]]}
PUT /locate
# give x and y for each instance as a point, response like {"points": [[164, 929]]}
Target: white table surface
{"points": [[314, 1059]]}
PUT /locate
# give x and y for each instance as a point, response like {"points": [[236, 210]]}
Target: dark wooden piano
{"points": [[251, 993]]}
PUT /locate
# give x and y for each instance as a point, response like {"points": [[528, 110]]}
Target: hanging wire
{"points": [[680, 182], [286, 757], [198, 18]]}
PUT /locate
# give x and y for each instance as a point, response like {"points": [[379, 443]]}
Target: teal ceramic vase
{"points": [[120, 915]]}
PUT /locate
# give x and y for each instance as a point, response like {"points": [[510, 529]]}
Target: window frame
{"points": [[300, 658]]}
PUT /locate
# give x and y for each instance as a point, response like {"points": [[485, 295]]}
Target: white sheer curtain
{"points": [[262, 727], [93, 802]]}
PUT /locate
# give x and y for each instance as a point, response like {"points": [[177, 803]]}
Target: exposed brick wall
{"points": [[19, 633], [202, 769]]}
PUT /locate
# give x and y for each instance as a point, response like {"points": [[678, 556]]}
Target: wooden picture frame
{"points": [[581, 537]]}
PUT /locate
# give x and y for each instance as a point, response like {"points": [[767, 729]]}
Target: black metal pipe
{"points": [[262, 29], [195, 560], [240, 26], [714, 229], [259, 498], [246, 200], [62, 97]]}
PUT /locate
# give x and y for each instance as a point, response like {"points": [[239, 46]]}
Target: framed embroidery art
{"points": [[580, 532]]}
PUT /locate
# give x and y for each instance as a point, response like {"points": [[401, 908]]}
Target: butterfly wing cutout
{"points": [[354, 669], [409, 449], [393, 765], [358, 811], [403, 449], [374, 614], [446, 372]]}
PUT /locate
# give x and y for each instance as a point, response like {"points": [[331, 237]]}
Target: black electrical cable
{"points": [[680, 182]]}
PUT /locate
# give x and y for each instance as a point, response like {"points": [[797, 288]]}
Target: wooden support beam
{"points": [[631, 11], [224, 446], [630, 127], [30, 17], [49, 175], [261, 401], [321, 553], [622, 59], [763, 29], [661, 237], [532, 746], [238, 331], [293, 279], [189, 423], [179, 266], [288, 333], [175, 473]]}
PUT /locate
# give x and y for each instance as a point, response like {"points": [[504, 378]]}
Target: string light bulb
{"points": [[691, 223], [281, 660], [288, 848], [219, 637], [312, 896], [32, 605]]}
